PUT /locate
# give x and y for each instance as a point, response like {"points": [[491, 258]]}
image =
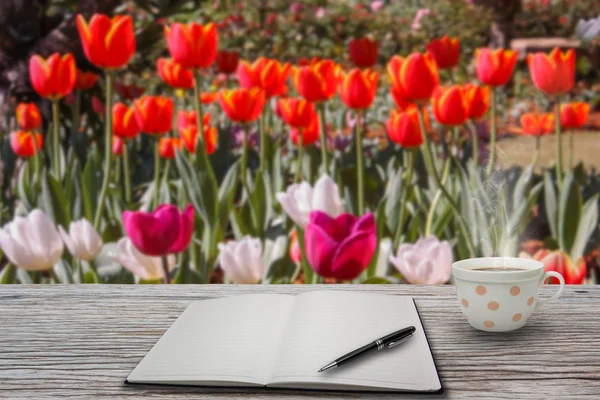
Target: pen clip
{"points": [[397, 342]]}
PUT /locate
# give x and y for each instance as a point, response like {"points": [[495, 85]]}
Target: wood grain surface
{"points": [[82, 341]]}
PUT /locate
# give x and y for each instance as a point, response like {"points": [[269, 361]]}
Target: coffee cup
{"points": [[499, 294]]}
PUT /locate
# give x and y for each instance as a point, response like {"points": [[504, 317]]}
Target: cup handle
{"points": [[558, 292]]}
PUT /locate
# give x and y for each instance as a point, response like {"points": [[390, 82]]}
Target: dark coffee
{"points": [[498, 269]]}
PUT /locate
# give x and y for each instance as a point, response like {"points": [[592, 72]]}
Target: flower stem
{"points": [[36, 160], [406, 187], [300, 155], [244, 160], [156, 174], [436, 199], [165, 267], [107, 148], [126, 173], [492, 159], [536, 155], [571, 149], [165, 177], [559, 169], [360, 173], [475, 142], [56, 138], [324, 155], [431, 170], [201, 156], [263, 141]]}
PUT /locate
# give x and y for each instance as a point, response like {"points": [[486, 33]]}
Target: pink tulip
{"points": [[340, 247], [164, 231]]}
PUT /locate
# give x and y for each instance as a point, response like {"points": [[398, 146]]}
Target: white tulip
{"points": [[428, 261], [242, 261], [299, 200], [144, 267], [32, 242], [588, 30], [82, 240]]}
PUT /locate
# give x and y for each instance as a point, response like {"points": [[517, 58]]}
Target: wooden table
{"points": [[82, 341]]}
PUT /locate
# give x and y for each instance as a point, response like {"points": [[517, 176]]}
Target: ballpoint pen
{"points": [[388, 341]]}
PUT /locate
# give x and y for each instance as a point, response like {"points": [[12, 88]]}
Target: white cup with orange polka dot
{"points": [[498, 294]]}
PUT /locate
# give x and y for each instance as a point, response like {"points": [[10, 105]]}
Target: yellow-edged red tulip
{"points": [[167, 147], [415, 77], [553, 73], [450, 106], [358, 88], [296, 112], [154, 114], [25, 144], [186, 119], [85, 80], [317, 81], [54, 77], [533, 124], [208, 97], [495, 67], [309, 134], [573, 115], [192, 45], [559, 261], [445, 51], [478, 100], [107, 42], [173, 74], [125, 124], [267, 74], [189, 136], [227, 62], [28, 116], [363, 52], [242, 105], [403, 128]]}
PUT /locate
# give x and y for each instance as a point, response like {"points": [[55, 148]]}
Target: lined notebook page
{"points": [[218, 342], [324, 325]]}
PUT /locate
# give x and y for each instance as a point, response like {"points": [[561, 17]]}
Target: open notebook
{"points": [[281, 341]]}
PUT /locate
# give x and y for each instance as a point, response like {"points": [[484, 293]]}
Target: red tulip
{"points": [[173, 74], [98, 106], [400, 101], [54, 77], [295, 253], [446, 51], [340, 248], [117, 146], [495, 67], [537, 124], [185, 119], [414, 78], [208, 97], [242, 105], [23, 143], [358, 88], [310, 134], [164, 231], [363, 52], [129, 92], [28, 116], [154, 114], [125, 124], [403, 128], [573, 115], [85, 80], [167, 146], [192, 45], [227, 61], [266, 74], [560, 262], [317, 82], [553, 73], [107, 43], [478, 100], [189, 135], [450, 106], [297, 113]]}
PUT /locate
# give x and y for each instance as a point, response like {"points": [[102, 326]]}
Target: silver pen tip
{"points": [[332, 364]]}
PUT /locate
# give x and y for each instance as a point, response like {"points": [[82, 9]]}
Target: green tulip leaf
{"points": [[569, 212], [54, 202], [550, 204], [587, 227]]}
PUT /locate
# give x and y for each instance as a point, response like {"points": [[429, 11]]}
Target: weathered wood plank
{"points": [[82, 341]]}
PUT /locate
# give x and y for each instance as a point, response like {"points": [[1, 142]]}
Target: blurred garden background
{"points": [[317, 141]]}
